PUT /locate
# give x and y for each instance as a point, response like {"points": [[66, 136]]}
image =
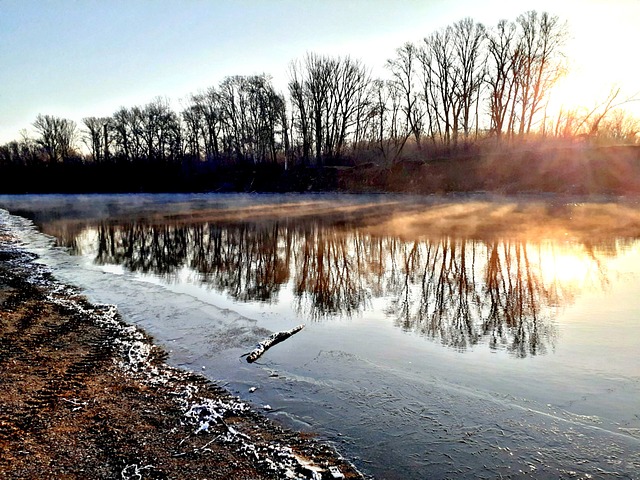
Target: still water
{"points": [[445, 337]]}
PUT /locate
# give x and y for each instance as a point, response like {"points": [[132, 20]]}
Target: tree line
{"points": [[460, 85]]}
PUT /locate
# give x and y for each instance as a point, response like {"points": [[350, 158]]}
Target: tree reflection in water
{"points": [[459, 292], [329, 274]]}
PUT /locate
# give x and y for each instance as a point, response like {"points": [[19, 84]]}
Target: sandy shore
{"points": [[84, 395]]}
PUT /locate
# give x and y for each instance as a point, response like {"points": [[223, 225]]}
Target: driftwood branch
{"points": [[269, 342]]}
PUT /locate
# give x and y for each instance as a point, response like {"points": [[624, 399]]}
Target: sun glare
{"points": [[566, 266], [597, 58]]}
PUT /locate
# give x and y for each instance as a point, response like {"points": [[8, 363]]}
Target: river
{"points": [[445, 337]]}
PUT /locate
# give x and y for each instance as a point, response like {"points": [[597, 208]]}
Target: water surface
{"points": [[445, 337]]}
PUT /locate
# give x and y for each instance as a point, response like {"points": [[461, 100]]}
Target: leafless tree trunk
{"points": [[503, 56], [96, 137], [442, 82], [470, 62], [57, 136], [541, 37], [404, 70]]}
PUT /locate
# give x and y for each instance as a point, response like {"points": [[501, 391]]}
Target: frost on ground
{"points": [[137, 357], [213, 421]]}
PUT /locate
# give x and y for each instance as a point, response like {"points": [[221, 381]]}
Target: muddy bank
{"points": [[84, 395]]}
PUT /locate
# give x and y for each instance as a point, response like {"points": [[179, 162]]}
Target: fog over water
{"points": [[468, 336]]}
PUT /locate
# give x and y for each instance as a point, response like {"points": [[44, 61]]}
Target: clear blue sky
{"points": [[77, 58]]}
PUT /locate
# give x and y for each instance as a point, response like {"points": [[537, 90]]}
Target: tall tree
{"points": [[252, 118], [541, 38], [97, 137], [441, 82], [390, 131], [127, 131], [319, 69], [403, 68], [468, 38], [300, 119], [161, 131], [209, 106], [57, 136], [329, 96], [503, 58]]}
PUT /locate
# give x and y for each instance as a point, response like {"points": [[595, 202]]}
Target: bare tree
{"points": [[266, 111], [161, 131], [441, 82], [22, 152], [389, 132], [209, 106], [620, 127], [501, 79], [97, 137], [57, 136], [403, 69], [127, 131], [453, 64], [541, 38], [329, 97], [571, 123], [301, 109], [193, 120], [319, 69], [251, 113], [468, 38], [348, 84]]}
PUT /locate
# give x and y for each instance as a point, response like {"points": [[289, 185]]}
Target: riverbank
{"points": [[575, 169], [84, 395]]}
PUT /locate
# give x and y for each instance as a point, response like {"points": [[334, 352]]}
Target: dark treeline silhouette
{"points": [[458, 292], [455, 94]]}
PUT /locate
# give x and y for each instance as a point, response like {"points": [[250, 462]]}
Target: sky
{"points": [[79, 58]]}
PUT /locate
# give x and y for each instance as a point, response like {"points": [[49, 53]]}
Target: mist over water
{"points": [[444, 337]]}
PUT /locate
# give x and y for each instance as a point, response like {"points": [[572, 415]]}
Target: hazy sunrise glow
{"points": [[598, 57]]}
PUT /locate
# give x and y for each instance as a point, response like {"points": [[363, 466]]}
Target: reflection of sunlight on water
{"points": [[569, 265], [629, 262]]}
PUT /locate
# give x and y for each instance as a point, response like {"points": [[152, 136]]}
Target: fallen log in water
{"points": [[269, 342]]}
